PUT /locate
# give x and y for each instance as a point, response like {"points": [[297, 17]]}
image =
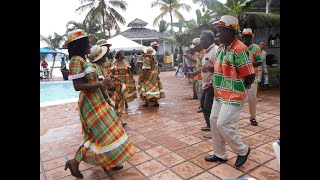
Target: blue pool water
{"points": [[57, 92]]}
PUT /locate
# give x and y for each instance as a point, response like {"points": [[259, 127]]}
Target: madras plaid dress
{"points": [[121, 71], [151, 87], [140, 73], [104, 142]]}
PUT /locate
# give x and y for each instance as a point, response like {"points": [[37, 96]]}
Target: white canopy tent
{"points": [[121, 43]]}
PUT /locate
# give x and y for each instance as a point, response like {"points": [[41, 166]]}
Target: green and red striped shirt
{"points": [[255, 56], [232, 64]]}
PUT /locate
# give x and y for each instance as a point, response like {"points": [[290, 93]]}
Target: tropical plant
{"points": [[170, 7], [163, 26], [54, 41], [105, 11], [180, 24], [201, 20], [240, 9]]}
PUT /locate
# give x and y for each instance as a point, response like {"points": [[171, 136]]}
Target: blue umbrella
{"points": [[47, 51]]}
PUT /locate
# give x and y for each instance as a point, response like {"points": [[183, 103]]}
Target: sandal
{"points": [[75, 174], [253, 122]]}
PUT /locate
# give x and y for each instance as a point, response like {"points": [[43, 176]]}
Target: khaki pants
{"points": [[252, 100], [223, 121]]}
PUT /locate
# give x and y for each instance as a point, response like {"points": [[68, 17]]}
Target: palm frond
{"points": [[178, 15], [257, 20], [181, 6], [120, 4], [85, 7], [116, 15], [159, 4], [157, 19]]}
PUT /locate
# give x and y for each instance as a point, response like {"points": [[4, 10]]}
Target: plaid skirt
{"points": [[105, 142], [151, 88]]}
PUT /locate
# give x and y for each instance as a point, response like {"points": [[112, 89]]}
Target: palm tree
{"points": [[53, 43], [163, 26], [169, 7], [105, 11]]}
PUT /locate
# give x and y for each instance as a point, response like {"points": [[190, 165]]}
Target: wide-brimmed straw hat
{"points": [[102, 42], [228, 21], [97, 52], [154, 43], [75, 35], [151, 51], [247, 31]]}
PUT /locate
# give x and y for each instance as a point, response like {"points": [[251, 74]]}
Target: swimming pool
{"points": [[57, 92]]}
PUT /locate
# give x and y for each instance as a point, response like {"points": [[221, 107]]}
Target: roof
{"points": [[47, 51], [120, 42], [143, 33], [137, 23]]}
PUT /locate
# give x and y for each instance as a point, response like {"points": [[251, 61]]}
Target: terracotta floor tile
{"points": [[147, 144], [261, 137], [268, 115], [139, 158], [225, 171], [167, 130], [273, 164], [94, 173], [193, 123], [84, 166], [153, 134], [129, 174], [201, 162], [132, 133], [144, 129], [264, 173], [252, 143], [57, 173], [243, 124], [254, 128], [171, 159], [267, 148], [187, 170], [266, 124], [203, 146], [190, 140], [69, 178], [200, 135], [163, 139], [244, 132], [205, 176], [189, 152], [271, 133], [54, 163], [70, 150], [126, 166], [175, 145], [191, 130], [276, 128], [157, 151], [272, 121], [259, 156], [48, 155], [178, 134], [69, 142], [165, 175], [246, 167], [150, 168]]}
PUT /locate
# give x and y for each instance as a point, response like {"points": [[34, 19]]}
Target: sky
{"points": [[54, 14]]}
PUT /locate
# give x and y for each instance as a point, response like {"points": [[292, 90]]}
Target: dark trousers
{"points": [[206, 104]]}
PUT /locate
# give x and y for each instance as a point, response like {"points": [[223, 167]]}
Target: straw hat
{"points": [[228, 21], [195, 41], [154, 43], [191, 46], [97, 52], [74, 35], [247, 31], [144, 49], [102, 42], [150, 50]]}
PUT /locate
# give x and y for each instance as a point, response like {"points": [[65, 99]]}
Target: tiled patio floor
{"points": [[168, 140]]}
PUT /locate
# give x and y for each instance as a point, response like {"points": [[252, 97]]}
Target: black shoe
{"points": [[193, 97], [75, 174], [213, 158], [116, 168], [123, 124], [206, 128], [253, 122], [242, 159], [199, 111]]}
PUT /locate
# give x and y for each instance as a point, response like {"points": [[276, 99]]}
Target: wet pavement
{"points": [[168, 139]]}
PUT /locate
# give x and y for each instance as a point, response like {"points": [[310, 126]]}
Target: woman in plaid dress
{"points": [[151, 86], [104, 142], [121, 70]]}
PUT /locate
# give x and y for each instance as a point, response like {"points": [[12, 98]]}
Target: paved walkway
{"points": [[168, 140]]}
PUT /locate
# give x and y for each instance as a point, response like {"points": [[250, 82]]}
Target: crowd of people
{"points": [[225, 71]]}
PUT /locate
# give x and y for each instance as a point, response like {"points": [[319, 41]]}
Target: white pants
{"points": [[223, 121], [252, 100]]}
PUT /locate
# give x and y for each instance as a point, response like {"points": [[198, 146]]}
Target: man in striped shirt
{"points": [[233, 75]]}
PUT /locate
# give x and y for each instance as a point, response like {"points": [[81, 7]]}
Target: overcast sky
{"points": [[54, 14]]}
